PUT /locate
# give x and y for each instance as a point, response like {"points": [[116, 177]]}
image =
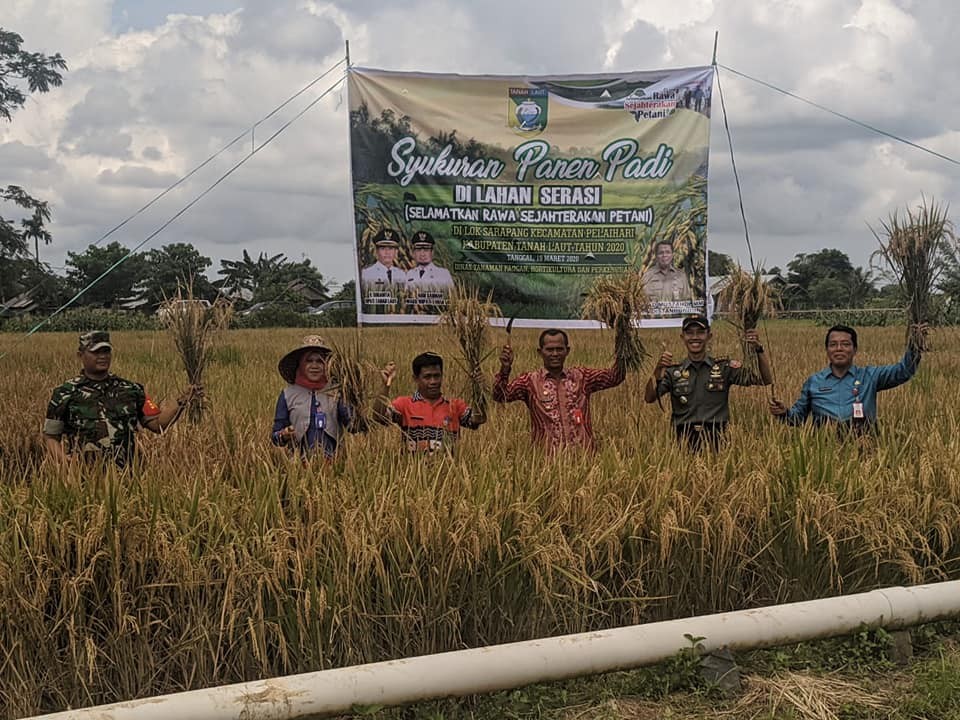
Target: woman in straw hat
{"points": [[310, 415]]}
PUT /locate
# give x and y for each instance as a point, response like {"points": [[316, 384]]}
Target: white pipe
{"points": [[500, 667]]}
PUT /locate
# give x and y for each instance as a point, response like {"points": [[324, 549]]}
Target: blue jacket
{"points": [[829, 398]]}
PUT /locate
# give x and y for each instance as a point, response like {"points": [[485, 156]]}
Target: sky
{"points": [[154, 88]]}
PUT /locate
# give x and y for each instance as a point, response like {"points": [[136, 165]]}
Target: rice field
{"points": [[222, 561]]}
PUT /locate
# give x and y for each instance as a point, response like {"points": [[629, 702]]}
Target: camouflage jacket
{"points": [[99, 416]]}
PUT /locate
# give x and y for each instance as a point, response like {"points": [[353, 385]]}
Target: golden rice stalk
{"points": [[348, 370], [807, 697], [915, 246], [467, 318], [194, 326], [747, 299], [618, 301]]}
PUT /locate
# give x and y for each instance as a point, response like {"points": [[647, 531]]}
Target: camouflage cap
{"points": [[94, 340]]}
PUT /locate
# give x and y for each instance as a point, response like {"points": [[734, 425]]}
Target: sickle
{"points": [[510, 324]]}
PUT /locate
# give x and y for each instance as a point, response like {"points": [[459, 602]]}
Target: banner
{"points": [[529, 188]]}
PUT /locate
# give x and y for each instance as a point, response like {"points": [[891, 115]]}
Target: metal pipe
{"points": [[500, 667]]}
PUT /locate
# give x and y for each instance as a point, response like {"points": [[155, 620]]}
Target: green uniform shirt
{"points": [[99, 416], [699, 391]]}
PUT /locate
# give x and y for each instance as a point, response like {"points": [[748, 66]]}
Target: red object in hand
{"points": [[577, 416]]}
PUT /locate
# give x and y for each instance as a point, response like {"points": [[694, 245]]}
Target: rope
{"points": [[206, 162], [842, 116], [825, 109], [183, 210], [746, 230]]}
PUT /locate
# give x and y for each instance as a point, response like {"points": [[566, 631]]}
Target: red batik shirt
{"points": [[559, 409]]}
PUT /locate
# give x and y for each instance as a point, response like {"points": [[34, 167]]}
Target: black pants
{"points": [[695, 435]]}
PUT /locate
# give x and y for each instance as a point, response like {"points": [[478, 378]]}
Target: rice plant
{"points": [[747, 299], [194, 326], [352, 374], [915, 245], [215, 563], [466, 317], [619, 301]]}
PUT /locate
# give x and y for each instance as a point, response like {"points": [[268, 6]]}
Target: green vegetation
{"points": [[221, 561]]}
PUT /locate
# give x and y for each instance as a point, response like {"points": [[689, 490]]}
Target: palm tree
{"points": [[248, 274], [859, 287]]}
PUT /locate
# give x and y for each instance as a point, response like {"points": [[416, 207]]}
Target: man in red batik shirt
{"points": [[558, 399]]}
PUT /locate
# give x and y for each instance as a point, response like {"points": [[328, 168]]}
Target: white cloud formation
{"points": [[140, 107]]}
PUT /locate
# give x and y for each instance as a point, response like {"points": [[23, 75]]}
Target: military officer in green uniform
{"points": [[699, 387], [98, 414]]}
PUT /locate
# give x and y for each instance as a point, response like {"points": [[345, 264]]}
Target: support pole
{"points": [[500, 667]]}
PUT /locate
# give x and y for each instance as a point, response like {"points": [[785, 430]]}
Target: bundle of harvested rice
{"points": [[915, 247], [352, 375], [619, 301], [467, 318], [194, 325], [746, 300]]}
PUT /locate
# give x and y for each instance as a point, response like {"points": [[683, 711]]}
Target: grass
{"points": [[220, 561], [806, 681]]}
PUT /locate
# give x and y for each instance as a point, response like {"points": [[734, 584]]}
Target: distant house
{"points": [[720, 282], [19, 305], [307, 292]]}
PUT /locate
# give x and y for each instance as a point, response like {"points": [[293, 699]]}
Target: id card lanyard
{"points": [[857, 402], [321, 417]]}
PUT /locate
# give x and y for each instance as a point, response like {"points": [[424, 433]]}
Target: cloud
{"points": [[142, 106], [24, 158], [136, 176]]}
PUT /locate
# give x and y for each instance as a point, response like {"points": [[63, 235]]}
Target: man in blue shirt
{"points": [[842, 392]]}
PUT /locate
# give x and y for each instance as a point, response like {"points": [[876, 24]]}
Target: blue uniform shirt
{"points": [[831, 398]]}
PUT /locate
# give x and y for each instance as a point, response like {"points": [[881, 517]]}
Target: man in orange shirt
{"points": [[428, 420]]}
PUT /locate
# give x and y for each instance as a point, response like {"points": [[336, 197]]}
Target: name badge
{"points": [[321, 420], [858, 410]]}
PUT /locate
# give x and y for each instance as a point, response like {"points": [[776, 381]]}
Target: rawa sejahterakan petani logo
{"points": [[527, 110]]}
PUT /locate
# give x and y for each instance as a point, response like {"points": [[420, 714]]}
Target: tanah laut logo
{"points": [[527, 110]]}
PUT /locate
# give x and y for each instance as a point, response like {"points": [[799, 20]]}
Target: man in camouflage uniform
{"points": [[99, 413], [699, 387]]}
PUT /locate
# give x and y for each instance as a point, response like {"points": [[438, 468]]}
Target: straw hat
{"points": [[289, 362]]}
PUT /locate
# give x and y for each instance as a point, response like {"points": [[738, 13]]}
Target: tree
{"points": [[172, 267], [246, 274], [949, 283], [293, 283], [24, 275], [828, 292], [118, 286], [273, 279], [40, 73], [347, 291], [720, 263], [860, 287], [813, 277]]}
